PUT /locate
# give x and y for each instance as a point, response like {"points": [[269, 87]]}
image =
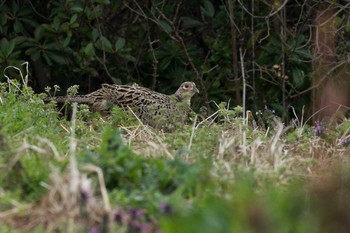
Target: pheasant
{"points": [[153, 108]]}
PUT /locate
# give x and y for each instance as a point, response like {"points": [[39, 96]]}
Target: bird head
{"points": [[186, 91]]}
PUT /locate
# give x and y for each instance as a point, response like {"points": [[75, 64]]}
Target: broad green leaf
{"points": [[66, 41], [56, 23], [102, 1], [189, 22], [10, 47], [95, 34], [129, 58], [57, 57], [298, 77], [2, 56], [3, 21], [166, 27], [20, 39], [39, 32], [17, 26], [119, 44], [31, 22], [303, 54], [89, 50], [73, 18], [51, 45], [74, 25], [4, 43], [14, 7], [34, 53], [104, 44], [47, 27], [208, 9], [14, 55], [65, 27], [47, 59], [77, 9]]}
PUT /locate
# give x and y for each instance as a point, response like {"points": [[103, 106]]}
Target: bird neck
{"points": [[179, 98], [183, 99]]}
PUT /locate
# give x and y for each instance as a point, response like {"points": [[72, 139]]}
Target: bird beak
{"points": [[197, 90]]}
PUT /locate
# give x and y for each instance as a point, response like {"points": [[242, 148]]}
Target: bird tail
{"points": [[80, 99]]}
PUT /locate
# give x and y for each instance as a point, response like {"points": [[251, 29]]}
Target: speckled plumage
{"points": [[153, 108]]}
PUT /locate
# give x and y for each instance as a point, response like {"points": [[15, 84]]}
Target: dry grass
{"points": [[73, 201]]}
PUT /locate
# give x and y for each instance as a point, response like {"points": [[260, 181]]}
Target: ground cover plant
{"points": [[265, 150], [223, 173]]}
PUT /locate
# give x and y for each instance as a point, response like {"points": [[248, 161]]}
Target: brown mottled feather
{"points": [[149, 104]]}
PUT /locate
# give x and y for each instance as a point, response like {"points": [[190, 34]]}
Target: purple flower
{"points": [[343, 140], [93, 230], [318, 128], [136, 213], [166, 209]]}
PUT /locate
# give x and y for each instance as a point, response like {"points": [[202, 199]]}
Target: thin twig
{"points": [[244, 83]]}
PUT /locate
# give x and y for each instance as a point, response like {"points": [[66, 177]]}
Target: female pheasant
{"points": [[153, 108]]}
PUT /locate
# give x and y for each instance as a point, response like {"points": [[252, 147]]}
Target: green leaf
{"points": [[303, 54], [57, 57], [95, 34], [51, 45], [189, 22], [66, 41], [104, 44], [129, 58], [77, 9], [208, 9], [47, 27], [2, 55], [47, 59], [56, 23], [165, 25], [73, 18], [14, 55], [119, 44], [4, 43], [20, 39], [65, 27], [18, 27], [89, 50], [10, 47], [14, 7], [102, 1], [29, 21], [39, 32], [74, 25], [34, 53], [298, 77]]}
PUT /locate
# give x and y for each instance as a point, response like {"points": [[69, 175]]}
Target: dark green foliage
{"points": [[159, 44]]}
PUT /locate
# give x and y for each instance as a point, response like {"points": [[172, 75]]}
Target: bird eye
{"points": [[186, 86]]}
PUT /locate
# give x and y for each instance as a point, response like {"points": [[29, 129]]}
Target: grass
{"points": [[220, 173]]}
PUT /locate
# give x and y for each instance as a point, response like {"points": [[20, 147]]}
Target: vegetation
{"points": [[261, 155], [97, 173]]}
